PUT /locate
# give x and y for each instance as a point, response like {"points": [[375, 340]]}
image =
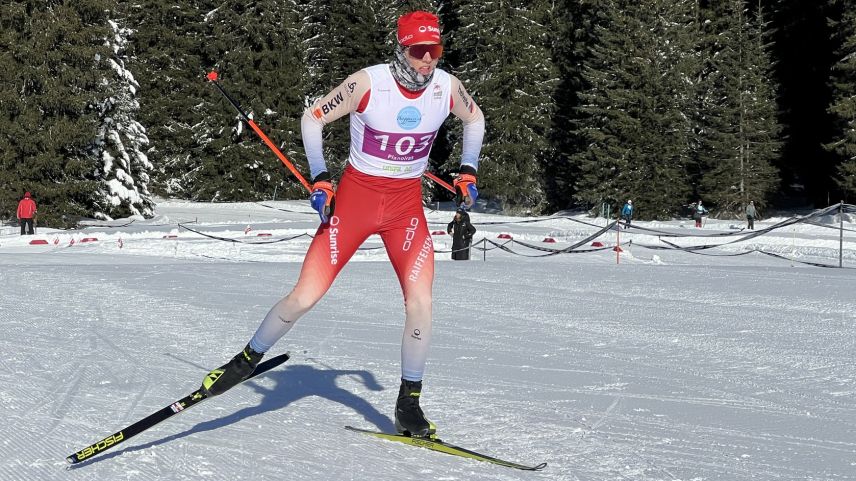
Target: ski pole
{"points": [[212, 77], [440, 181]]}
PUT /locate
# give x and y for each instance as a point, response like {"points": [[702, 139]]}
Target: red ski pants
{"points": [[366, 205]]}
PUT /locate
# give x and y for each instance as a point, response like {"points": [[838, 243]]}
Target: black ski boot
{"points": [[233, 372], [409, 418]]}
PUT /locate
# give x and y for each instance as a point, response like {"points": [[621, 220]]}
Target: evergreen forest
{"points": [[106, 106]]}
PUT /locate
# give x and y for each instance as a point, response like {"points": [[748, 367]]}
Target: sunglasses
{"points": [[418, 52]]}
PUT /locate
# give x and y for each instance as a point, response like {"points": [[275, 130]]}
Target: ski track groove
{"points": [[147, 382]]}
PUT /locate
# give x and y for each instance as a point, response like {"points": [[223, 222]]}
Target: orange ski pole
{"points": [[440, 181], [212, 76]]}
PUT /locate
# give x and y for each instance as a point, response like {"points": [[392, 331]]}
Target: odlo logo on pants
{"points": [[411, 233]]}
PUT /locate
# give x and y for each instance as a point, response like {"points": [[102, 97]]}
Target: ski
{"points": [[436, 444], [153, 419]]}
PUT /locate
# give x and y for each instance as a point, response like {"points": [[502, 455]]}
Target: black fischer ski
{"points": [[151, 420], [443, 447]]}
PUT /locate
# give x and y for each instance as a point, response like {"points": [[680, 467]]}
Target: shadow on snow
{"points": [[291, 384]]}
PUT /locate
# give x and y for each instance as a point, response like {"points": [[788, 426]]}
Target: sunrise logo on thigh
{"points": [[334, 240]]}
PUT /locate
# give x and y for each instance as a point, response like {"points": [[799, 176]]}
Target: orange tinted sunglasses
{"points": [[418, 51]]}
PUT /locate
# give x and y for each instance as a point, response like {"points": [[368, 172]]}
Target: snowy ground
{"points": [[670, 365]]}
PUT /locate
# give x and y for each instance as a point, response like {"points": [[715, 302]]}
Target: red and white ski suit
{"points": [[380, 192]]}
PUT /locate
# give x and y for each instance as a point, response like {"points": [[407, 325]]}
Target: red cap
{"points": [[26, 195], [417, 27]]}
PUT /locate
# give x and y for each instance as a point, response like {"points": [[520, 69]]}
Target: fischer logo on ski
{"points": [[100, 446], [151, 420]]}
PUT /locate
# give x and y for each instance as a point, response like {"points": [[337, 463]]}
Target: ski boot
{"points": [[233, 372], [409, 418]]}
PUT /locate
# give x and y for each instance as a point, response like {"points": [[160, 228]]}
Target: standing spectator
{"points": [[698, 213], [627, 213], [462, 232], [26, 212], [751, 213]]}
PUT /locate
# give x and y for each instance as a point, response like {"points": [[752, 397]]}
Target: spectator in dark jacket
{"points": [[751, 213], [462, 232], [26, 213]]}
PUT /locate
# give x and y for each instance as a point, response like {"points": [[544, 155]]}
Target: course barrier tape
{"points": [[486, 245]]}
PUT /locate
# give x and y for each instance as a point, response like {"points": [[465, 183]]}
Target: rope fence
{"points": [[585, 246], [486, 245], [667, 240]]}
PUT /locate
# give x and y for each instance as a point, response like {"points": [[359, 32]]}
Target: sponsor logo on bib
{"points": [[409, 118]]}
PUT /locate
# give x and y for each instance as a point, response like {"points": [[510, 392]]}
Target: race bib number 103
{"points": [[397, 147]]}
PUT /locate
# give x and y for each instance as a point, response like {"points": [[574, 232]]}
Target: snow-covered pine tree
{"points": [[121, 141]]}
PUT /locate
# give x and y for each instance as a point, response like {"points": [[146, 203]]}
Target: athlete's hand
{"points": [[322, 197], [466, 191]]}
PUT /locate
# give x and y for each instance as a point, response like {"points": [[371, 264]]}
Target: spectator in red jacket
{"points": [[26, 212]]}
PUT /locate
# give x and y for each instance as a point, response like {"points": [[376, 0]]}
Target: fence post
{"points": [[484, 249], [841, 234], [793, 244]]}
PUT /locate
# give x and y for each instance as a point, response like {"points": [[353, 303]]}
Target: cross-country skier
{"points": [[395, 112]]}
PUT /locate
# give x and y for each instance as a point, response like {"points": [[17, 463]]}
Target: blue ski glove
{"points": [[466, 191], [322, 197]]}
